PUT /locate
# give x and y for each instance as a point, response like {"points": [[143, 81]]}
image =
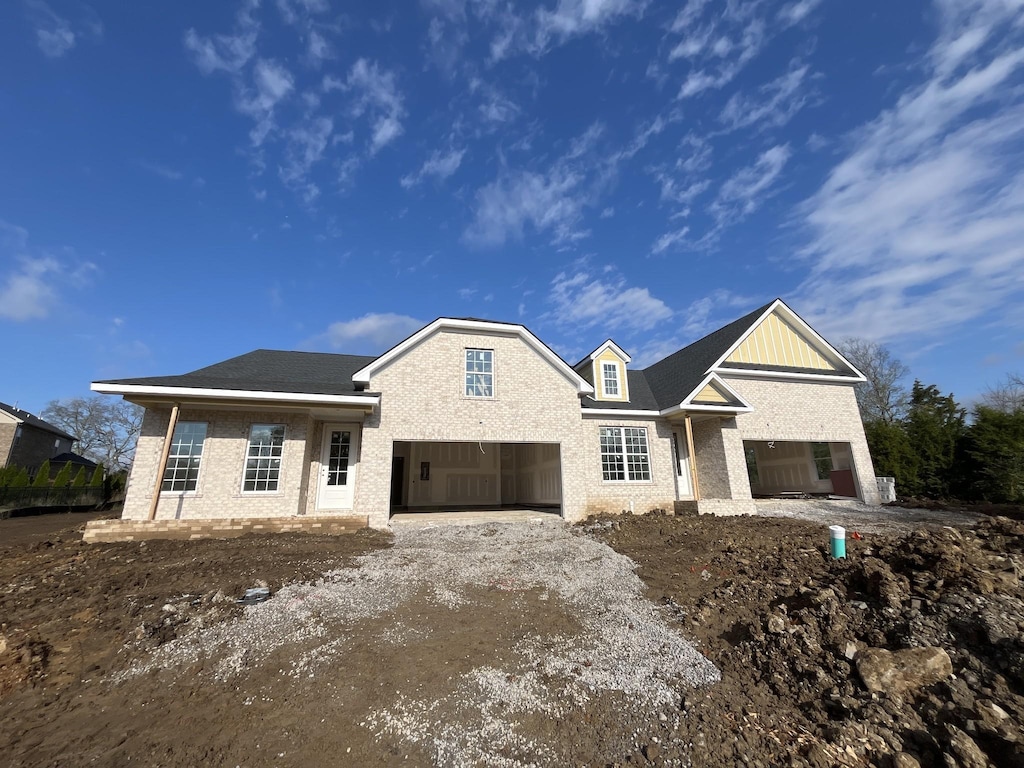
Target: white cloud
{"points": [[920, 227], [228, 53], [779, 101], [794, 13], [373, 331], [272, 83], [376, 94], [545, 28], [582, 300], [55, 34], [164, 171], [306, 145], [440, 165], [744, 191], [30, 290], [669, 239]]}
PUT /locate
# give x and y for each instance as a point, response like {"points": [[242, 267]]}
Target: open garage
{"points": [[799, 468]]}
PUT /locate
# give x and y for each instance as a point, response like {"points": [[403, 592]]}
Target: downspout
{"points": [[168, 439], [693, 458]]}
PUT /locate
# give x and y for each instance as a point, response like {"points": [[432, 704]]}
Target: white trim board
{"points": [[233, 394]]}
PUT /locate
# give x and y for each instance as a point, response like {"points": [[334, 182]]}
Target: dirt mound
{"points": [[799, 639]]}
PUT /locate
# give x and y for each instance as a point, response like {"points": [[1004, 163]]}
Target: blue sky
{"points": [[184, 182]]}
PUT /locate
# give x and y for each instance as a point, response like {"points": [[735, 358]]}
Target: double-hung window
{"points": [[479, 373], [624, 454], [610, 377], [822, 454], [263, 458], [182, 472]]}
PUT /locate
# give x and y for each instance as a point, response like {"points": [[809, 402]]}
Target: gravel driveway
{"points": [[587, 631], [864, 517]]}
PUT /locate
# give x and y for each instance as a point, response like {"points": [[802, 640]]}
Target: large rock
{"points": [[906, 670]]}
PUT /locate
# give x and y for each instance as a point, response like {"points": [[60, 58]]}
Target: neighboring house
{"points": [[474, 414], [27, 441], [75, 460]]}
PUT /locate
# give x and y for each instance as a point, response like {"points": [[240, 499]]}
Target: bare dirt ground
{"points": [[518, 645]]}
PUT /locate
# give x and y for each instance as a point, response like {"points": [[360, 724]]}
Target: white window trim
{"points": [[245, 460], [625, 463], [199, 476], [494, 377]]}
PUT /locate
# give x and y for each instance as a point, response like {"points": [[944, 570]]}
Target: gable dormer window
{"points": [[610, 379], [479, 373]]}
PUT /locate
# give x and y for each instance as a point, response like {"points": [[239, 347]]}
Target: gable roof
{"points": [[265, 370], [34, 421], [363, 375], [640, 396]]}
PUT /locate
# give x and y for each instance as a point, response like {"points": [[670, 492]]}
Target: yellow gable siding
{"points": [[776, 342], [710, 395], [609, 357]]}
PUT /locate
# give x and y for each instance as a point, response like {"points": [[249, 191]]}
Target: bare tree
{"points": [[883, 397], [107, 431], [1006, 397]]}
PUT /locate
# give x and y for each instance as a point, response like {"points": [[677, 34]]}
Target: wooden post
{"points": [[693, 459], [168, 439]]}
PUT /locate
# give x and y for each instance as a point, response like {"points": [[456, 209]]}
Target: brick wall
{"points": [[808, 411], [36, 446], [7, 431]]}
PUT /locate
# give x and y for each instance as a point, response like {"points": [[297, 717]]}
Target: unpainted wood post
{"points": [[693, 459], [168, 439]]}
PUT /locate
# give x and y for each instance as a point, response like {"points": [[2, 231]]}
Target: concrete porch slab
{"points": [[470, 517]]}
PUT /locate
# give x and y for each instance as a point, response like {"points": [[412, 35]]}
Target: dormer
{"points": [[605, 368]]}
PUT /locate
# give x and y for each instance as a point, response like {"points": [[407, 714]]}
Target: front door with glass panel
{"points": [[337, 466]]}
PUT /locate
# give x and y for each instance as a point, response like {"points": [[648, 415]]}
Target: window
{"points": [[822, 459], [17, 438], [479, 373], [183, 461], [610, 377], [624, 453], [263, 459], [750, 454]]}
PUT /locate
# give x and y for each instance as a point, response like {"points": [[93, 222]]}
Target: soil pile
{"points": [[909, 652]]}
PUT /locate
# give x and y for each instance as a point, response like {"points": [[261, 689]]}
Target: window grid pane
{"points": [[182, 471], [611, 379], [479, 373], [624, 454], [263, 458]]}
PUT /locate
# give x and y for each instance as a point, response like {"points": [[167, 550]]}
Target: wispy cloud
{"points": [[376, 93], [161, 170], [440, 165], [57, 35], [744, 192], [795, 12], [582, 300], [776, 104], [920, 226], [371, 333], [669, 240], [228, 53], [30, 289]]}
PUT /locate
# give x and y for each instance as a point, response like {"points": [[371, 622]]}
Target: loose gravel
{"points": [[624, 645], [866, 518]]}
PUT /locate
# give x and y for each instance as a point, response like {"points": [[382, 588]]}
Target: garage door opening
{"points": [[794, 469], [476, 477]]}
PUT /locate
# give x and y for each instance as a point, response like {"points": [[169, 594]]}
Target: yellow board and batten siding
{"points": [[776, 342], [608, 356], [711, 395]]}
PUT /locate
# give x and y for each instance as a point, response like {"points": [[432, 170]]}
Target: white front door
{"points": [[684, 484], [338, 458]]}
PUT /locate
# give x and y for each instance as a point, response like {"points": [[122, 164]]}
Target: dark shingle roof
{"points": [[73, 458], [34, 421], [640, 397], [673, 378], [269, 370]]}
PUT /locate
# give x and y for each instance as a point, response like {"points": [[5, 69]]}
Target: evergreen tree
{"points": [[7, 475], [893, 455], [20, 479], [79, 481], [994, 448], [63, 477], [42, 479], [97, 477], [934, 426]]}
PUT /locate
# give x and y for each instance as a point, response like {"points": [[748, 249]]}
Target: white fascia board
{"points": [[614, 348], [728, 410], [619, 412], [822, 377], [233, 394], [798, 321], [714, 377], [362, 376]]}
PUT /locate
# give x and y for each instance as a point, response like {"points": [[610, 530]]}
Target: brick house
{"points": [[27, 441], [473, 414]]}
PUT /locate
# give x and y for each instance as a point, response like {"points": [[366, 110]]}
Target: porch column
{"points": [[693, 458], [162, 467]]}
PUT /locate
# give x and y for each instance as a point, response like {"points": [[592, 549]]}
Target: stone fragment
{"points": [[904, 760], [776, 624], [904, 670], [966, 750]]}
